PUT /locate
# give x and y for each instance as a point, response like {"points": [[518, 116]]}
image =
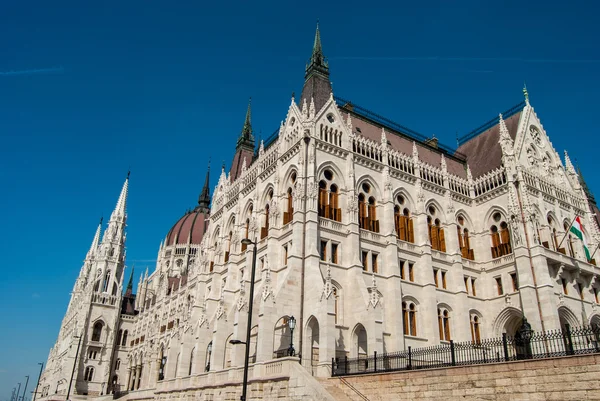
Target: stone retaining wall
{"points": [[566, 378]]}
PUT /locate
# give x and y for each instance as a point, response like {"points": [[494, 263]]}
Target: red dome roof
{"points": [[189, 229]]}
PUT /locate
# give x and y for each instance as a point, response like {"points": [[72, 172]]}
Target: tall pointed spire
{"points": [[568, 165], [317, 59], [122, 201], [584, 186], [96, 240], [317, 86], [204, 198], [130, 283], [246, 137]]}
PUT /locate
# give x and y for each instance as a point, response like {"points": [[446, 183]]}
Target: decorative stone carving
{"points": [[327, 286]]}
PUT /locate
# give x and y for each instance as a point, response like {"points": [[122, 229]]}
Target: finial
{"points": [[128, 173], [293, 94], [101, 220], [525, 93]]}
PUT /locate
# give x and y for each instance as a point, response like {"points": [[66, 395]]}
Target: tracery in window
{"points": [[501, 244], [436, 232], [329, 197], [402, 221]]}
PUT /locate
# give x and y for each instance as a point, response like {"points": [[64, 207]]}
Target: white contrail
{"points": [[31, 72], [438, 58]]}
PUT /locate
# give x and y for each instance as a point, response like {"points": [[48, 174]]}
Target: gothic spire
{"points": [[130, 283], [96, 240], [204, 198], [317, 59], [122, 201], [246, 138], [317, 86], [587, 191]]}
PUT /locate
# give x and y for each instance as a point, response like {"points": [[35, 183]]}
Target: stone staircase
{"points": [[340, 391]]}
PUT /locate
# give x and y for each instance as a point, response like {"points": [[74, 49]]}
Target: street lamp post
{"points": [[39, 377], [74, 364], [209, 355], [247, 242], [25, 389], [292, 326]]}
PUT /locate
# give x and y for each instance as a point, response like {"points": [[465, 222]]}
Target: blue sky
{"points": [[89, 89]]}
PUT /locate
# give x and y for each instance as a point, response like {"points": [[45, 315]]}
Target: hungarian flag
{"points": [[577, 229]]}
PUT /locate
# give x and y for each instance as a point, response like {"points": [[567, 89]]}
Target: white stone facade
{"points": [[311, 249]]}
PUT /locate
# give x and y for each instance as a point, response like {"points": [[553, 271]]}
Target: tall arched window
{"points": [[117, 364], [97, 331], [475, 328], [247, 228], [191, 365], [89, 374], [464, 241], [367, 209], [328, 196], [119, 337], [288, 215], [264, 231], [436, 232], [402, 221], [409, 318], [444, 324], [500, 237], [124, 343]]}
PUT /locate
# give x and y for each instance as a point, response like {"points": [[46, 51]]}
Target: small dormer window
{"points": [[330, 118]]}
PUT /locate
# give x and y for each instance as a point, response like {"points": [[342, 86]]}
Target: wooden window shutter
{"points": [[495, 239], [402, 225], [442, 240], [505, 236], [411, 231], [434, 237], [460, 238], [466, 240]]}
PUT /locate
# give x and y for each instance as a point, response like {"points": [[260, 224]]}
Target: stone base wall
{"points": [[566, 378], [281, 379]]}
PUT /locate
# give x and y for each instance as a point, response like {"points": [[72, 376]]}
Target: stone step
{"points": [[332, 387]]}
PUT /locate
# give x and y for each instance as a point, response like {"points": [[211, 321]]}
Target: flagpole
{"points": [[566, 233], [592, 257]]}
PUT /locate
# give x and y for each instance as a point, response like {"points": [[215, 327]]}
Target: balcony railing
{"points": [[549, 344]]}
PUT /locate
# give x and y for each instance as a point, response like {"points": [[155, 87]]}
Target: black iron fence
{"points": [[570, 341]]}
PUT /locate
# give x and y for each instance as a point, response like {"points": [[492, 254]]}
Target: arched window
{"points": [[89, 374], [191, 365], [464, 241], [336, 304], [409, 318], [288, 215], [475, 328], [329, 197], [264, 231], [119, 337], [444, 324], [500, 237], [117, 364], [367, 209], [97, 331], [124, 343], [402, 221], [552, 235], [436, 232], [247, 228]]}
